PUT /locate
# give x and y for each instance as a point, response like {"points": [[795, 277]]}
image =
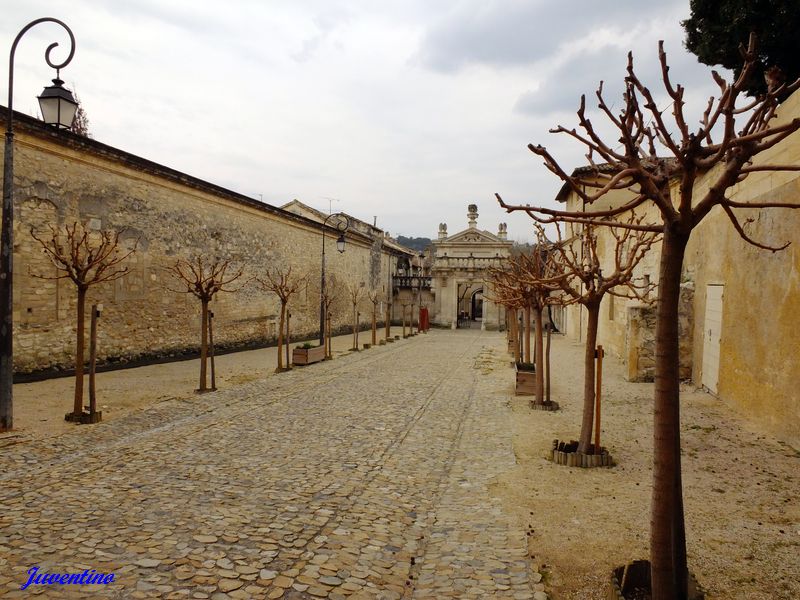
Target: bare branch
{"points": [[85, 259], [747, 238]]}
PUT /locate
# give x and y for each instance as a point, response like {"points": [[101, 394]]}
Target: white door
{"points": [[712, 330]]}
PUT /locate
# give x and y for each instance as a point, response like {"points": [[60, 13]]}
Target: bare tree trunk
{"points": [[527, 325], [203, 344], [547, 365], [281, 324], [667, 530], [77, 406], [537, 315], [514, 328], [593, 310]]}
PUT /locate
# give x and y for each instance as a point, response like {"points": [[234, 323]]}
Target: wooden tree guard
{"points": [[547, 367], [599, 353], [211, 349], [328, 352], [288, 362], [94, 416], [388, 321]]}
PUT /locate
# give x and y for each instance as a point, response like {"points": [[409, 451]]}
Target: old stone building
{"points": [[61, 178], [459, 274], [740, 305]]}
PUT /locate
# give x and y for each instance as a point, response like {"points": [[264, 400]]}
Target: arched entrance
{"points": [[477, 305]]}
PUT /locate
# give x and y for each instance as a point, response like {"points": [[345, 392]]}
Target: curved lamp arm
{"points": [[56, 66]]}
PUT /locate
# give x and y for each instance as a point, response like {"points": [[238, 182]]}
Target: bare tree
{"points": [[283, 284], [87, 258], [355, 293], [374, 298], [586, 282], [528, 281], [723, 151], [204, 279]]}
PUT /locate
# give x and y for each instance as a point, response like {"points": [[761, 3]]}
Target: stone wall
{"points": [[60, 179], [759, 372], [640, 338]]}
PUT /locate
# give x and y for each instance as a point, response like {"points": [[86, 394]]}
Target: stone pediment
{"points": [[472, 236]]}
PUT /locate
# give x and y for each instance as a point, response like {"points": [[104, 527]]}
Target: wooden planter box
{"points": [[307, 356], [525, 379]]}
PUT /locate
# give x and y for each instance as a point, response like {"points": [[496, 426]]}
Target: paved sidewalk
{"points": [[362, 477]]}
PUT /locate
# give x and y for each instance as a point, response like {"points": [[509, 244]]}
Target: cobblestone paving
{"points": [[363, 477]]}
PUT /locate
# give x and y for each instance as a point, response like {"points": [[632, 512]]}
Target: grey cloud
{"points": [[503, 33], [583, 73], [580, 75], [325, 23]]}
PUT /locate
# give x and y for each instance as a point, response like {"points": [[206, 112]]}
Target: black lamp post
{"points": [[58, 108], [342, 226]]}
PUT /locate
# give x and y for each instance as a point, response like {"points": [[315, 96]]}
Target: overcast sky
{"points": [[406, 110]]}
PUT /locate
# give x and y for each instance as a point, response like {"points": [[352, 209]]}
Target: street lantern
{"points": [[340, 243], [58, 105]]}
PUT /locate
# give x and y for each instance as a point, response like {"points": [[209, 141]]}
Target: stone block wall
{"points": [[62, 179], [640, 338]]}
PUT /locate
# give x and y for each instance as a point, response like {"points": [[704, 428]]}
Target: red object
{"points": [[424, 323]]}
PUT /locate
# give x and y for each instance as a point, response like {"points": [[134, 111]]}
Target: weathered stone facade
{"points": [[460, 272], [62, 178]]}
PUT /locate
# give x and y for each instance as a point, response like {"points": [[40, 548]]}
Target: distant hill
{"points": [[415, 243], [521, 248]]}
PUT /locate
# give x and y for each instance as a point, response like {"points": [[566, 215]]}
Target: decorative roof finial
{"points": [[472, 215]]}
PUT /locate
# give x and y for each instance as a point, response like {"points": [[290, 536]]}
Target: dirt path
{"points": [[39, 407], [740, 489]]}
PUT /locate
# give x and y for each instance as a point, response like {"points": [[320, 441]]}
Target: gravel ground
{"points": [[740, 490]]}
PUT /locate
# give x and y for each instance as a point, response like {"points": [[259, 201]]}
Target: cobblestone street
{"points": [[362, 477]]}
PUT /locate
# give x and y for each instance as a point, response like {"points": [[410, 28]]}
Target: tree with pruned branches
{"points": [[204, 279], [528, 281], [86, 258], [660, 161], [585, 279], [355, 293], [283, 284], [374, 299]]}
